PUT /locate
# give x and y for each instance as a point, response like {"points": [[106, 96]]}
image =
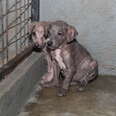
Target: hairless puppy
{"points": [[38, 31], [75, 62]]}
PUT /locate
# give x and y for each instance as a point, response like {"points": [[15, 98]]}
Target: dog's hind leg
{"points": [[86, 75]]}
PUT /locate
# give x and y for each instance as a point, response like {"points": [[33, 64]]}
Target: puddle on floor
{"points": [[99, 99]]}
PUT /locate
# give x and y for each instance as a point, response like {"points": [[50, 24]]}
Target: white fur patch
{"points": [[59, 59]]}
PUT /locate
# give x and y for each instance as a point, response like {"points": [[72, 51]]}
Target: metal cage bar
{"points": [[16, 46], [15, 16], [6, 37], [2, 29]]}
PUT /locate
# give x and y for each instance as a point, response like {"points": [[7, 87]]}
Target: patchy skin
{"points": [[50, 79], [79, 64], [59, 59], [71, 59], [39, 31], [39, 35], [49, 76]]}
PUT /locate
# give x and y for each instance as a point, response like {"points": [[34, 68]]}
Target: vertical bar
{"points": [[7, 51], [28, 17], [20, 4], [35, 10], [16, 46], [24, 21], [2, 29]]}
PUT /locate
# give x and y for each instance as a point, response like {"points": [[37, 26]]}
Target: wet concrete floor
{"points": [[99, 99]]}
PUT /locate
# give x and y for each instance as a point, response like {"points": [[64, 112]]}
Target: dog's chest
{"points": [[57, 56]]}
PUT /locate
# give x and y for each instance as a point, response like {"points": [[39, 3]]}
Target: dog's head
{"points": [[38, 32], [60, 33]]}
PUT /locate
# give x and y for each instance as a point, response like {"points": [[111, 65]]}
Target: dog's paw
{"points": [[41, 83], [80, 89], [62, 92]]}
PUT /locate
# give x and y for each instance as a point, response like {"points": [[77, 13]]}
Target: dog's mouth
{"points": [[38, 48], [52, 48]]}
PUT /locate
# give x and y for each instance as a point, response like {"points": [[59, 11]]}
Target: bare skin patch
{"points": [[59, 59]]}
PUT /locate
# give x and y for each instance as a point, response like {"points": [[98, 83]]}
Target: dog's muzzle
{"points": [[49, 43]]}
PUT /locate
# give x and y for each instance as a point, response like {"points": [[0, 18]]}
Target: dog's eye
{"points": [[46, 36], [49, 33], [33, 33], [60, 33]]}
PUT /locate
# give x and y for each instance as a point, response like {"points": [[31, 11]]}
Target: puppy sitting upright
{"points": [[75, 62]]}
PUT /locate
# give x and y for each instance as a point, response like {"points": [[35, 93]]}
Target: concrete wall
{"points": [[95, 21], [19, 85]]}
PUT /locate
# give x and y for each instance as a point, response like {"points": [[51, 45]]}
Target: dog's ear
{"points": [[71, 33], [30, 31], [47, 26], [31, 27]]}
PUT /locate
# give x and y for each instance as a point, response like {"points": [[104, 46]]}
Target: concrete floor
{"points": [[99, 99]]}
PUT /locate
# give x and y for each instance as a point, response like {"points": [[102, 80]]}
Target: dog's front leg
{"points": [[65, 71], [50, 72], [66, 82], [51, 77], [46, 79], [56, 69]]}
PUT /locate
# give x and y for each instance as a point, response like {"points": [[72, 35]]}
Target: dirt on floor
{"points": [[99, 99]]}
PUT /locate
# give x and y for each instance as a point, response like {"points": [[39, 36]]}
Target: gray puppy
{"points": [[75, 62]]}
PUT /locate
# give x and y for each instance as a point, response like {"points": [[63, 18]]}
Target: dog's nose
{"points": [[49, 43]]}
